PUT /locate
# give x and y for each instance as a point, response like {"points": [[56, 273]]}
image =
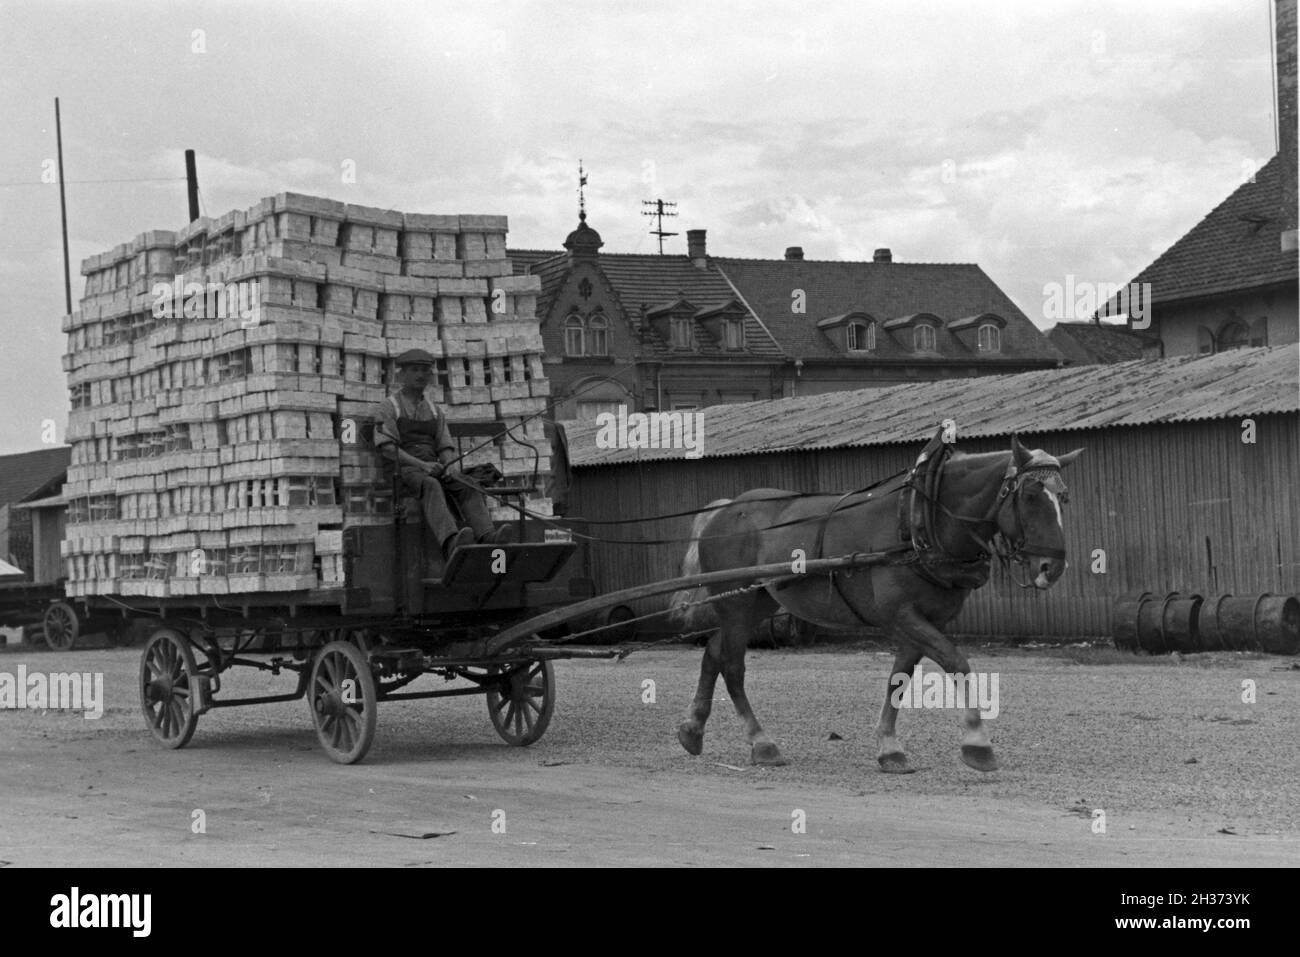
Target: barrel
{"points": [[1124, 617], [1264, 622], [1157, 624]]}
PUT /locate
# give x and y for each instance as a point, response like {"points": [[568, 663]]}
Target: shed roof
{"points": [[1135, 393], [27, 473]]}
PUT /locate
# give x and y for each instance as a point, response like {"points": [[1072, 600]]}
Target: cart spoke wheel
{"points": [[167, 675], [344, 703], [520, 703], [61, 626]]}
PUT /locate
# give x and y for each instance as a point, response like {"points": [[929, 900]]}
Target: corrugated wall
{"points": [[1187, 507]]}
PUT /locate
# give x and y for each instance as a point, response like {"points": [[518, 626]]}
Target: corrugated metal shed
{"points": [[1141, 392]]}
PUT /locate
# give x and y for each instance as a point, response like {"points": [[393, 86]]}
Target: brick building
{"points": [[680, 332]]}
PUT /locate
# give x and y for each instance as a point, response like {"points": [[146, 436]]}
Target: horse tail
{"points": [[685, 616]]}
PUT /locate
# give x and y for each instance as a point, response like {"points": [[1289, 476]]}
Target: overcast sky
{"points": [[1037, 139]]}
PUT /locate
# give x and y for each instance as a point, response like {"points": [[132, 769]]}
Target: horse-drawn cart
{"points": [[354, 646]]}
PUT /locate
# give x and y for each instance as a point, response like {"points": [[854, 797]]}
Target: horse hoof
{"points": [[895, 763], [768, 754], [979, 756], [691, 740]]}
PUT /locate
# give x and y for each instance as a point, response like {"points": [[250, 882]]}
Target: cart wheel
{"points": [[167, 680], [522, 715], [61, 626], [344, 704]]}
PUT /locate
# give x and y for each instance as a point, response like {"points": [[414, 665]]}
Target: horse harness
{"points": [[918, 509]]}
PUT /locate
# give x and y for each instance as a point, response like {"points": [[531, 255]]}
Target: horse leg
{"points": [[741, 622], [691, 731], [889, 753], [976, 750]]}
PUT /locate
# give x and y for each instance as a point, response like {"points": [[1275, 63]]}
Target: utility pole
{"points": [[63, 209]]}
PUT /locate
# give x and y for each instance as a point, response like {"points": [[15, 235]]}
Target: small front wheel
{"points": [[521, 701], [344, 702]]}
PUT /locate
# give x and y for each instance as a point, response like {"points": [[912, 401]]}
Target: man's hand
{"points": [[451, 470], [434, 469]]}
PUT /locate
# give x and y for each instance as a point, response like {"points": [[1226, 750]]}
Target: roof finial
{"points": [[582, 199]]}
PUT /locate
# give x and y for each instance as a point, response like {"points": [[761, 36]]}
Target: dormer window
{"points": [[851, 331], [733, 334], [981, 333], [682, 332], [861, 336], [923, 338]]}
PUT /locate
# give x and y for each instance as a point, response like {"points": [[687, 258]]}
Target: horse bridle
{"points": [[1016, 548]]}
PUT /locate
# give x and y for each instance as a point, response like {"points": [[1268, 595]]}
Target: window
{"points": [[923, 338], [589, 410], [733, 334], [862, 336], [990, 338], [1204, 341], [1259, 332], [574, 338], [1234, 335], [683, 337], [598, 336]]}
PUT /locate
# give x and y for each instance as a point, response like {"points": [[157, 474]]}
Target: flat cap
{"points": [[413, 357]]}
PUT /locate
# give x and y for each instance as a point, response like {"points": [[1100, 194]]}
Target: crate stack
{"points": [[221, 377]]}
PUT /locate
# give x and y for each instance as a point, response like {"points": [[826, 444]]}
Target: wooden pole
{"points": [[192, 184], [776, 572], [63, 210]]}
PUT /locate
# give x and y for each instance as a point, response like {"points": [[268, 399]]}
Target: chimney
{"points": [[883, 255], [794, 252], [695, 248], [1286, 116]]}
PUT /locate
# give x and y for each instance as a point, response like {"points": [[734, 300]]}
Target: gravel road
{"points": [[1185, 772]]}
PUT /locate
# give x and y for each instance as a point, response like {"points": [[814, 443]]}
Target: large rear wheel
{"points": [[61, 626]]}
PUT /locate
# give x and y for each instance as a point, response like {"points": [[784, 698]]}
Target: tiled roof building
{"points": [[673, 332], [1231, 280], [1093, 343]]}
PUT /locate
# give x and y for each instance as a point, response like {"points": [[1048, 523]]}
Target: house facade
{"points": [[668, 332]]}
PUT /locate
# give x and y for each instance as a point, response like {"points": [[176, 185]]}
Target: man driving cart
{"points": [[427, 458]]}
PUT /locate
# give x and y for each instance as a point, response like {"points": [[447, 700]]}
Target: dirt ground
{"points": [[1184, 771]]}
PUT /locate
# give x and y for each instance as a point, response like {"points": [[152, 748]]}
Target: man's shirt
{"points": [[386, 429]]}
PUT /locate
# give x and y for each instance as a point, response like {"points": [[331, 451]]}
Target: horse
{"points": [[941, 524]]}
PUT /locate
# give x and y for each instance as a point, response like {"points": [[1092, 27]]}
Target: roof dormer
{"points": [[917, 333], [854, 332], [980, 333], [726, 323], [675, 322]]}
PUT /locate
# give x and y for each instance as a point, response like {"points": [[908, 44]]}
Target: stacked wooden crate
{"points": [[221, 376]]}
